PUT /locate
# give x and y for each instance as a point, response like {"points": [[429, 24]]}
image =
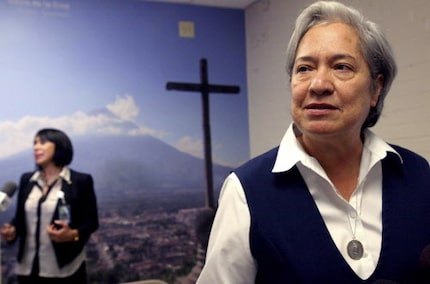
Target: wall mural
{"points": [[98, 70]]}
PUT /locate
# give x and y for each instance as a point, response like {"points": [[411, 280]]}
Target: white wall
{"points": [[405, 118]]}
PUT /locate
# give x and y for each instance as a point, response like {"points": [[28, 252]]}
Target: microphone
{"points": [[6, 193]]}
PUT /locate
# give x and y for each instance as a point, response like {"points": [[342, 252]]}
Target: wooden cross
{"points": [[205, 88]]}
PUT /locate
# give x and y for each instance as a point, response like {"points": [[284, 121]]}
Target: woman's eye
{"points": [[301, 69], [343, 67]]}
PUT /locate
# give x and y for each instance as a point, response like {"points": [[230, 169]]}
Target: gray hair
{"points": [[375, 48]]}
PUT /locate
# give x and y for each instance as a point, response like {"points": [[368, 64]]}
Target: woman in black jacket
{"points": [[55, 215]]}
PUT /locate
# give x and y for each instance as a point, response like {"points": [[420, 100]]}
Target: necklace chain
{"points": [[355, 248], [357, 216]]}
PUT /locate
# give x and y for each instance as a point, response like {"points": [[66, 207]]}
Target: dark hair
{"points": [[63, 146], [374, 45]]}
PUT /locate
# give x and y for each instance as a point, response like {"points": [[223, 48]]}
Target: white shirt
{"points": [[48, 266], [229, 258]]}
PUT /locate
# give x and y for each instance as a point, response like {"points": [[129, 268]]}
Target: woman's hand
{"points": [[8, 232], [60, 232]]}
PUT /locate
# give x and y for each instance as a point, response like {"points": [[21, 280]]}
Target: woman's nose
{"points": [[321, 83]]}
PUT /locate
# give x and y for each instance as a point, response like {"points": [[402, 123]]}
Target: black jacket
{"points": [[80, 195]]}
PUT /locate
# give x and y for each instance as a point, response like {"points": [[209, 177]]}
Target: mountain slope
{"points": [[124, 165]]}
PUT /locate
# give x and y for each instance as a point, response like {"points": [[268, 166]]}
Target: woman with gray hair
{"points": [[334, 203]]}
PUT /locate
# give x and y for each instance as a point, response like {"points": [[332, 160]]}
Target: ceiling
{"points": [[238, 4]]}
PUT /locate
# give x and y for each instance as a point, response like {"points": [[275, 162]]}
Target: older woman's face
{"points": [[43, 151], [331, 82]]}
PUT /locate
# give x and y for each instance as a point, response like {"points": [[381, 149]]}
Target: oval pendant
{"points": [[355, 249]]}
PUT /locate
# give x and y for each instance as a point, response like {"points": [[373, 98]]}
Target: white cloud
{"points": [[195, 148], [124, 107], [144, 130], [16, 136], [191, 146]]}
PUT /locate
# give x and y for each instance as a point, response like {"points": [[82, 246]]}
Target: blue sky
{"points": [[63, 61]]}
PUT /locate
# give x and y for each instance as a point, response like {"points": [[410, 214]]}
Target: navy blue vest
{"points": [[291, 243]]}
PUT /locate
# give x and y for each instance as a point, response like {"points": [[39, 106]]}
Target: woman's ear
{"points": [[379, 84]]}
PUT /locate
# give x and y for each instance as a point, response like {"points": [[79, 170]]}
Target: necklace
{"points": [[355, 247]]}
